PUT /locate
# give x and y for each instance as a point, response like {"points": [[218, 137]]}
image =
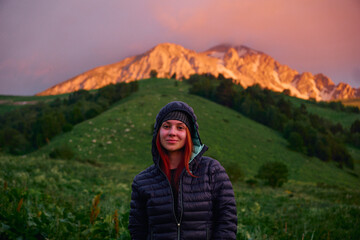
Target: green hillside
{"points": [[344, 118], [112, 148], [124, 133], [9, 102]]}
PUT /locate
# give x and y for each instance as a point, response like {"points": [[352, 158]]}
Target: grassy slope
{"points": [[122, 135], [346, 119], [113, 147]]}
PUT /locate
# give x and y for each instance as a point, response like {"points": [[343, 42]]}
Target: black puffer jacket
{"points": [[206, 204]]}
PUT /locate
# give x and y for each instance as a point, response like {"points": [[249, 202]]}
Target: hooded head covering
{"points": [[180, 116], [181, 111]]}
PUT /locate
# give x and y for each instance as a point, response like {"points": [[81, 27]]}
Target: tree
{"points": [[285, 107], [225, 92], [287, 92], [12, 141], [275, 174], [81, 94], [153, 73], [296, 142], [202, 86], [355, 126]]}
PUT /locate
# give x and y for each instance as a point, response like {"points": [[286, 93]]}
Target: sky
{"points": [[43, 43]]}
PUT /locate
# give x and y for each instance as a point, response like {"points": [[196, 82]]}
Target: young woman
{"points": [[183, 195]]}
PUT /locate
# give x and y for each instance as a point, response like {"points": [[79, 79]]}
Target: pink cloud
{"points": [[310, 23], [307, 35], [54, 41]]}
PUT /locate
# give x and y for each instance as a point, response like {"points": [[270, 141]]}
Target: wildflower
{"points": [[116, 222], [288, 192], [95, 210], [20, 204]]}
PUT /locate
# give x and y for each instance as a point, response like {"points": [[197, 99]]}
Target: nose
{"points": [[172, 131]]}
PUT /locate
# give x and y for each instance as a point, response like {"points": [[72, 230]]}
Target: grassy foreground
{"points": [[57, 199]]}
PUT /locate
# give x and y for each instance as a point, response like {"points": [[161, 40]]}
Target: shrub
{"points": [[67, 127], [62, 152], [275, 174], [252, 182], [234, 171]]}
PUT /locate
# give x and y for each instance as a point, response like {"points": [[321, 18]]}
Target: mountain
{"points": [[243, 64]]}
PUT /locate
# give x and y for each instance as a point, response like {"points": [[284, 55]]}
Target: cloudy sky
{"points": [[44, 42]]}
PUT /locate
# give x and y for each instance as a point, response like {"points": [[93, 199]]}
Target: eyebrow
{"points": [[180, 123]]}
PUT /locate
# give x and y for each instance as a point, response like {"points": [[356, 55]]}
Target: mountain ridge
{"points": [[241, 63]]}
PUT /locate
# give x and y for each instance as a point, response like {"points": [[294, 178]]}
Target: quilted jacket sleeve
{"points": [[138, 221], [225, 216]]}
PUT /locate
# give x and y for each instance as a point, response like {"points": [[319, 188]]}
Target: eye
{"points": [[165, 126], [181, 127]]}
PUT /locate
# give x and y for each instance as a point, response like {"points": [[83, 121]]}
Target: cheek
{"points": [[162, 135], [183, 137]]}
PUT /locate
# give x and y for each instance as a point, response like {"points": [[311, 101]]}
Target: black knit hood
{"points": [[183, 107]]}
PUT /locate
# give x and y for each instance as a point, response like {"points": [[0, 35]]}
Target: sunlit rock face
{"points": [[244, 65]]}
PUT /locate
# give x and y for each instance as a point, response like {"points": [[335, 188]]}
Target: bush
{"points": [[62, 152], [252, 182], [275, 174], [67, 127], [234, 171]]}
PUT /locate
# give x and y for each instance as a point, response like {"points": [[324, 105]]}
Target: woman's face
{"points": [[172, 135]]}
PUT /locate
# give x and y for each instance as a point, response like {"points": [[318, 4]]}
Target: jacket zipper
{"points": [[178, 223], [181, 203]]}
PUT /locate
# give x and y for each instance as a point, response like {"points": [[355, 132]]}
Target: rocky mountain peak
{"points": [[323, 81], [168, 49], [241, 63]]}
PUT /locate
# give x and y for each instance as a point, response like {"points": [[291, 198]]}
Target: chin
{"points": [[173, 149]]}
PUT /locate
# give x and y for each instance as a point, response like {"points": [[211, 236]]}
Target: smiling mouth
{"points": [[171, 141]]}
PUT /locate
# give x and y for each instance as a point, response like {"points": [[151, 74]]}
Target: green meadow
{"points": [[88, 196]]}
